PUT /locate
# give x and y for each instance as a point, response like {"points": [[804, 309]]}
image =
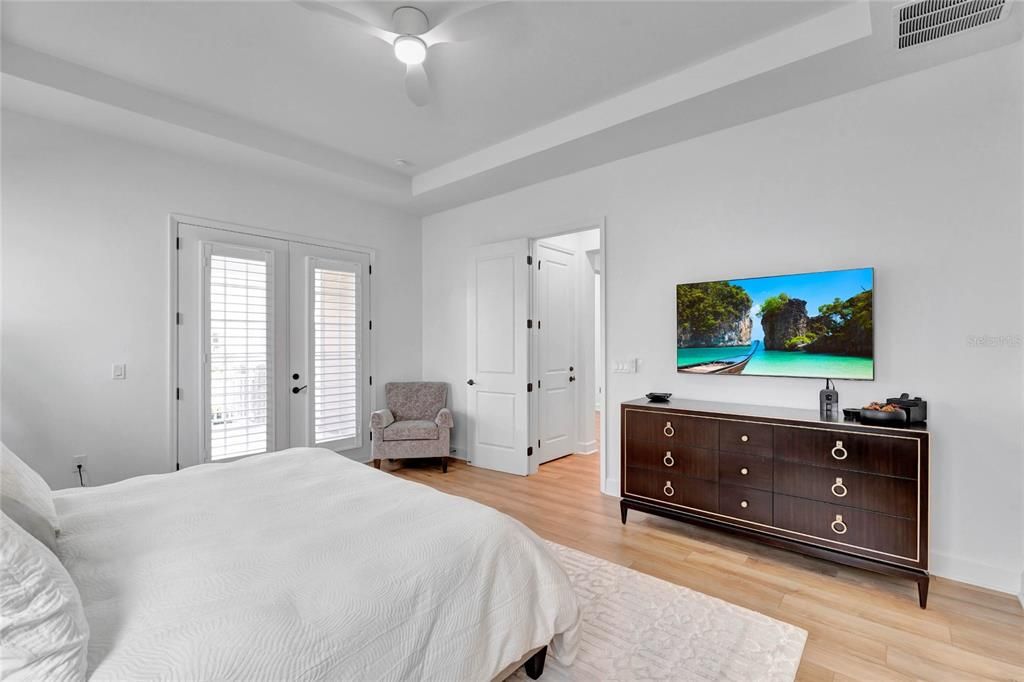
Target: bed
{"points": [[304, 565]]}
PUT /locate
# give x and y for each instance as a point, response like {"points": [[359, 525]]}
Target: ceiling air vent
{"points": [[928, 20]]}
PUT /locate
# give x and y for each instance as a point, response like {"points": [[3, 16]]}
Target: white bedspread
{"points": [[304, 565]]}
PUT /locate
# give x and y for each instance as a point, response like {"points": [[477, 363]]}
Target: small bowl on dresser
{"points": [[893, 418], [658, 397]]}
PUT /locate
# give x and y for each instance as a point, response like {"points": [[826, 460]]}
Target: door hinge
{"points": [[177, 394], [177, 466], [371, 435], [529, 451], [538, 442], [177, 243], [538, 383], [371, 325], [529, 388], [529, 324], [371, 380], [370, 269], [529, 260], [538, 263], [178, 318], [538, 324]]}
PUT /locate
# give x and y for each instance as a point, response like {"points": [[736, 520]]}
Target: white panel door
{"points": [[232, 345], [556, 348], [328, 392], [498, 357]]}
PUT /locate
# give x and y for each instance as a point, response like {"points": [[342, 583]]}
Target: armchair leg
{"points": [[376, 464], [444, 465]]}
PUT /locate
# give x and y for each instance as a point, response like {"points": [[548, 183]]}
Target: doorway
{"points": [[566, 344], [536, 327], [270, 345]]}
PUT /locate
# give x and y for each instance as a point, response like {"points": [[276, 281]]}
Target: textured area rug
{"points": [[637, 627]]}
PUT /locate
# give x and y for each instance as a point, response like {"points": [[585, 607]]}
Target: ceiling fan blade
{"points": [[476, 22], [338, 13], [417, 84]]}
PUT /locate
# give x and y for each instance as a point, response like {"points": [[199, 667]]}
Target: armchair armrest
{"points": [[381, 419], [444, 418]]}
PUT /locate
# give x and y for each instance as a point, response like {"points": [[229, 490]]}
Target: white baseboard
{"points": [[1020, 595], [611, 487], [976, 573], [586, 447]]}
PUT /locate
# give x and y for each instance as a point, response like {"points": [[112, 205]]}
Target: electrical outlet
{"points": [[118, 371], [79, 460]]}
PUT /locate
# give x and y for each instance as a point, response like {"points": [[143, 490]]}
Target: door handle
{"points": [[572, 378], [471, 382], [296, 389]]}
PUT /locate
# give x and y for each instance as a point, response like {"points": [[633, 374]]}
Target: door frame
{"points": [[596, 223], [174, 219]]}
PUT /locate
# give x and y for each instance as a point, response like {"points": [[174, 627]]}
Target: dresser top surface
{"points": [[766, 412]]}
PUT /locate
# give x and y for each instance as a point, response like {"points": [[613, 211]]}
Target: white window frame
{"points": [[174, 220]]}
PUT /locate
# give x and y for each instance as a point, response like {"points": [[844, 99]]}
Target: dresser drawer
{"points": [[670, 430], [884, 494], [885, 455], [745, 503], [745, 437], [673, 458], [750, 471], [672, 488], [856, 527]]}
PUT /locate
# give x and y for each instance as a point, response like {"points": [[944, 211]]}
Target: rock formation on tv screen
{"points": [[840, 328], [712, 314]]}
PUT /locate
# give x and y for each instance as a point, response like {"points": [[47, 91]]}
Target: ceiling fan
{"points": [[411, 36]]}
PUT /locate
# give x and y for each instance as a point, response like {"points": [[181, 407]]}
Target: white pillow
{"points": [[25, 497], [43, 631]]}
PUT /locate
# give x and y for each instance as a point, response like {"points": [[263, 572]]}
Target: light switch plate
{"points": [[118, 371]]}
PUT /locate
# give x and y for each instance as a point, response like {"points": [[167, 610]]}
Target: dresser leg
{"points": [[922, 590], [623, 509]]}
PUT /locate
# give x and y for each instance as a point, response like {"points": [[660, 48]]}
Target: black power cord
{"points": [[81, 481]]}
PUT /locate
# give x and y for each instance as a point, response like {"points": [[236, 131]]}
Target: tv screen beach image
{"points": [[816, 325]]}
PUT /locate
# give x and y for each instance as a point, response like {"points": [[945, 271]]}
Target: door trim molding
{"points": [[173, 221]]}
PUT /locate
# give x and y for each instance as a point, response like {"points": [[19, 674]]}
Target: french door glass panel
{"points": [[239, 354]]}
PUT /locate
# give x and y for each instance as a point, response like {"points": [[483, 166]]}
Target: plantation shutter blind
{"points": [[238, 358], [337, 351]]}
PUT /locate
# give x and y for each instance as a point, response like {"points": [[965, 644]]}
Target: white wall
{"points": [[85, 284], [919, 177]]}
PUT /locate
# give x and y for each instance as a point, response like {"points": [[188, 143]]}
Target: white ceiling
{"points": [[275, 77]]}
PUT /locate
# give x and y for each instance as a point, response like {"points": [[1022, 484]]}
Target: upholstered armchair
{"points": [[415, 424]]}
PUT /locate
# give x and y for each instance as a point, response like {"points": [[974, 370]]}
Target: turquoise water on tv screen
{"points": [[773, 363]]}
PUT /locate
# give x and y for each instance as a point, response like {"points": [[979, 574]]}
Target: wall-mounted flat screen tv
{"points": [[818, 324]]}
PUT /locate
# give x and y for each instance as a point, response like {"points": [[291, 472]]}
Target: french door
{"points": [[272, 346]]}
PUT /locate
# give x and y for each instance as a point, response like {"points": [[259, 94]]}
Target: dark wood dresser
{"points": [[837, 490]]}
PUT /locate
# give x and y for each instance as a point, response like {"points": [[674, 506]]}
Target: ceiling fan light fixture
{"points": [[410, 50]]}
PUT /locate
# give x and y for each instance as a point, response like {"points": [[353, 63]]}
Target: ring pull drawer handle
{"points": [[839, 452], [668, 430], [838, 527], [744, 504], [668, 460], [744, 471], [838, 489], [668, 489], [744, 438]]}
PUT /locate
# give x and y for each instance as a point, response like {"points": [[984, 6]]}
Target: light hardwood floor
{"points": [[862, 626]]}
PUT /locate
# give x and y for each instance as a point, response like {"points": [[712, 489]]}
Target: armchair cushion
{"points": [[416, 399], [411, 429], [445, 419], [381, 419]]}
